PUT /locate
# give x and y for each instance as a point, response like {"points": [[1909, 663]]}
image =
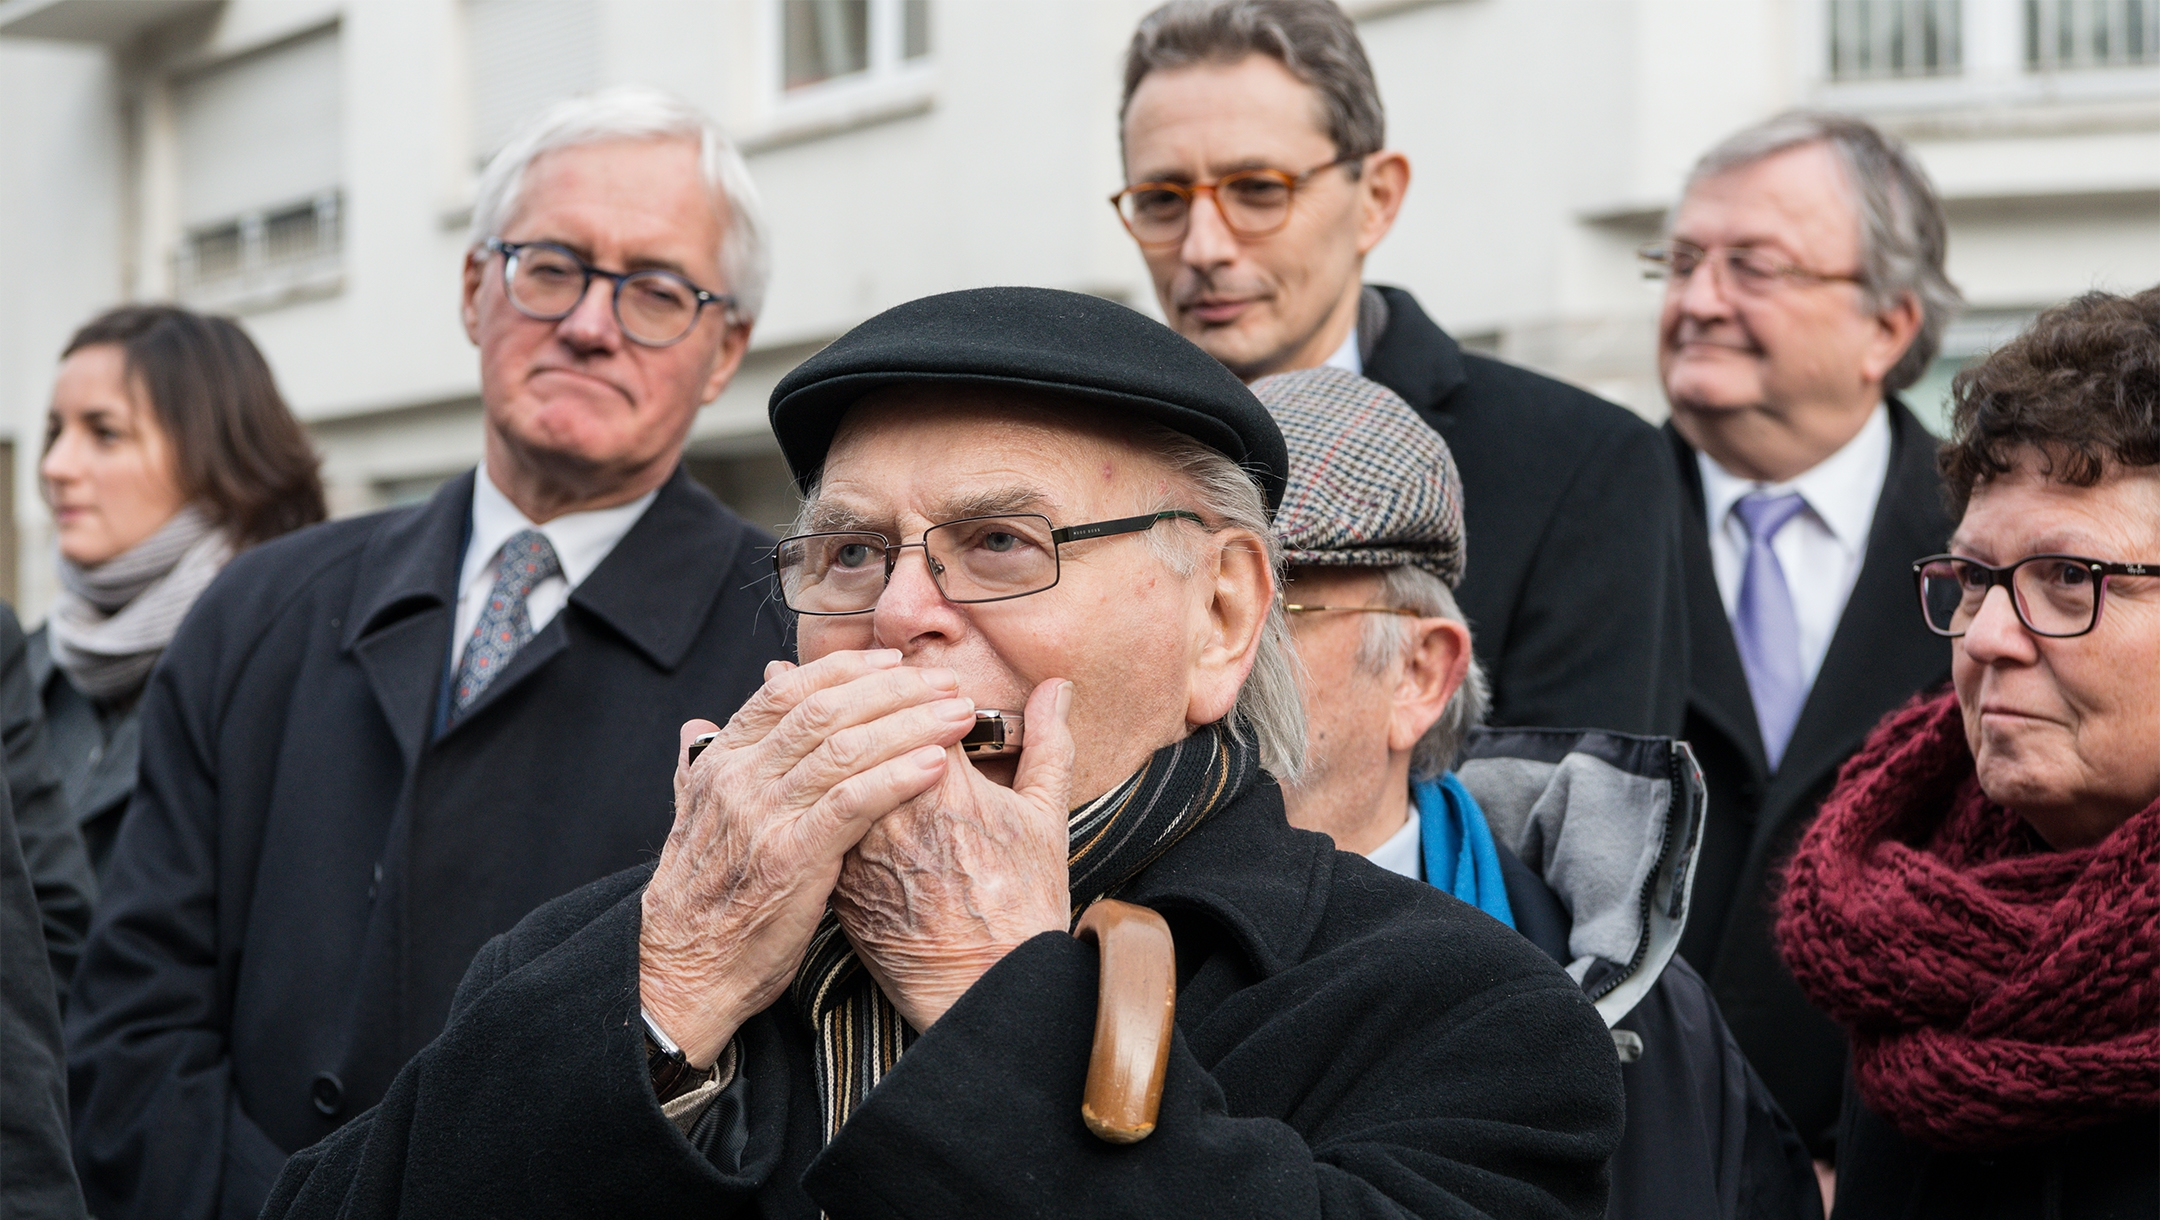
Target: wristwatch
{"points": [[672, 1075]]}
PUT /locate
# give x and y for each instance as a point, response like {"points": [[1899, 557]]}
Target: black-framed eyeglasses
{"points": [[2057, 596], [1253, 203], [972, 560], [655, 308]]}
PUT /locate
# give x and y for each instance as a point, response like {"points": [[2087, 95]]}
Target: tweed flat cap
{"points": [[1039, 339], [1371, 485]]}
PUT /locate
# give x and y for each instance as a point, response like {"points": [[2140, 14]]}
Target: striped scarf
{"points": [[860, 1035]]}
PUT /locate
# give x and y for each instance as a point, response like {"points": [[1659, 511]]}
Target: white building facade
{"points": [[308, 166]]}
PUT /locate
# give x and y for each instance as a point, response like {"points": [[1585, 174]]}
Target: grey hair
{"points": [[1314, 39], [637, 112], [1227, 497], [1903, 237], [1387, 639]]}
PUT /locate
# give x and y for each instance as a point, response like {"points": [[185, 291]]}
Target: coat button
{"points": [[328, 1092]]}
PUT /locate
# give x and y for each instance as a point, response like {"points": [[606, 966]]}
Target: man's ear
{"points": [[1241, 595], [476, 265], [1895, 328], [1434, 666], [1381, 187], [733, 344]]}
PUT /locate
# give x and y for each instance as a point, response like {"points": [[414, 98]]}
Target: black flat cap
{"points": [[1039, 339]]}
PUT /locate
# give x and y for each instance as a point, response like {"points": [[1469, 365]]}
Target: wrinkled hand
{"points": [[945, 886], [762, 820]]}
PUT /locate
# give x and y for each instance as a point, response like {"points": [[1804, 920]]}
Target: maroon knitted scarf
{"points": [[1996, 992]]}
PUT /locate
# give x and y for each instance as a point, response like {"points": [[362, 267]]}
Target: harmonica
{"points": [[995, 735]]}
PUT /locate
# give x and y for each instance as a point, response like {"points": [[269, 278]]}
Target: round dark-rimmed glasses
{"points": [[2057, 596], [972, 560], [1253, 203], [655, 308], [1747, 270]]}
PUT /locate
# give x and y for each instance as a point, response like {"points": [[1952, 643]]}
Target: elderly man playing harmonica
{"points": [[850, 984]]}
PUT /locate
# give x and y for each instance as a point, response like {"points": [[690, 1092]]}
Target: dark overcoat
{"points": [[1879, 656], [1571, 519], [309, 866], [1349, 1042], [95, 750], [2110, 1172]]}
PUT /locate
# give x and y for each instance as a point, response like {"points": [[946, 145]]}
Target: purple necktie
{"points": [[505, 624], [1764, 625]]}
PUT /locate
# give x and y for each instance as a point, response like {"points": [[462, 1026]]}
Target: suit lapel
{"points": [[655, 589], [1717, 685], [1880, 653], [404, 604]]}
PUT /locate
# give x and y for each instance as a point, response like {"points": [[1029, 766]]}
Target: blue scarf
{"points": [[1459, 853]]}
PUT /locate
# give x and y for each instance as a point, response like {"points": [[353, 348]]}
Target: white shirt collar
{"points": [[1402, 852], [1840, 490], [1346, 357], [581, 540]]}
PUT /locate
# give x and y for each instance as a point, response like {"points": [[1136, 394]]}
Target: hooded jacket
{"points": [[1598, 835]]}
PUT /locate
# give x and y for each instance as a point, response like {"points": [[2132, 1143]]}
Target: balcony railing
{"points": [[2074, 35], [266, 254], [1894, 39]]}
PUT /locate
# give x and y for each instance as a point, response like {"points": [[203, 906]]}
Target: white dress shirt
{"points": [[581, 541], [1346, 357], [1822, 547], [1402, 853]]}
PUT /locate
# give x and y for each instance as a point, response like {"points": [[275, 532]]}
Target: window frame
{"points": [[890, 86]]}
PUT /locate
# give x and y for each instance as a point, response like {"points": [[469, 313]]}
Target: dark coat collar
{"points": [[648, 588], [1858, 675], [1414, 357], [655, 590], [1266, 884]]}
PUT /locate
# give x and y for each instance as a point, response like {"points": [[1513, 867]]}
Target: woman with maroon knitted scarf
{"points": [[1978, 903]]}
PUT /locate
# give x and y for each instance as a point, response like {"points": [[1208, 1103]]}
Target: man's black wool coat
{"points": [[1349, 1043], [1879, 656], [308, 868], [1571, 515]]}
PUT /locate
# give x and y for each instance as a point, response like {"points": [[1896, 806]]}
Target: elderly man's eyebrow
{"points": [[829, 516], [993, 503], [633, 263]]}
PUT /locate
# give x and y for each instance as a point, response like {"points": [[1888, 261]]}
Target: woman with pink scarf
{"points": [[1978, 903]]}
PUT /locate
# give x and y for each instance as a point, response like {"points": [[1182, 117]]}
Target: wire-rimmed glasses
{"points": [[1253, 203], [2057, 596], [972, 560], [655, 308], [1747, 270], [1307, 608]]}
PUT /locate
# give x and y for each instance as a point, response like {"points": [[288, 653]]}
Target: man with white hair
{"points": [[377, 743], [1804, 287]]}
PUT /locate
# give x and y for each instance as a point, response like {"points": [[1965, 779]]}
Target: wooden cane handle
{"points": [[1134, 1009]]}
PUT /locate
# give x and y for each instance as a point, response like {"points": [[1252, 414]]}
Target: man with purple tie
{"points": [[1804, 287]]}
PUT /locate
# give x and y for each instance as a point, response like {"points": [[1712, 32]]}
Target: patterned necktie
{"points": [[1765, 626], [505, 624]]}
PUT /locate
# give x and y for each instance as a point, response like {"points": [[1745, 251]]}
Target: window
{"points": [[260, 150], [830, 41], [1894, 39], [2071, 35], [277, 250], [527, 56]]}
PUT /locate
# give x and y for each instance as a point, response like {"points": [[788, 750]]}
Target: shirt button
{"points": [[328, 1092]]}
